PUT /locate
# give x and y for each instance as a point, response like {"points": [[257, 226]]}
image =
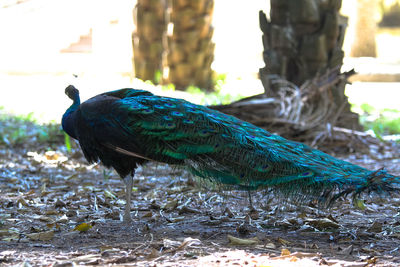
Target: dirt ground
{"points": [[56, 210]]}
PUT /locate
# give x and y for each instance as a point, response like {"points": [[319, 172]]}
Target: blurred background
{"points": [[105, 45]]}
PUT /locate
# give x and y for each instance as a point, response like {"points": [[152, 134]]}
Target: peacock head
{"points": [[68, 117], [72, 93]]}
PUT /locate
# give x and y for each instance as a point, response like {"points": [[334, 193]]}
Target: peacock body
{"points": [[127, 127]]}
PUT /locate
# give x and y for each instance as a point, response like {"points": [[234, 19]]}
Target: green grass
{"points": [[24, 129], [381, 122]]}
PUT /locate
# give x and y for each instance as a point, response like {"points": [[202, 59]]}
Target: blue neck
{"points": [[68, 118]]}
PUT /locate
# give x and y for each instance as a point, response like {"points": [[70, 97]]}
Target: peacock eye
{"points": [[193, 110], [169, 105], [187, 121], [177, 113], [204, 133], [170, 125], [167, 118], [147, 111], [158, 106]]}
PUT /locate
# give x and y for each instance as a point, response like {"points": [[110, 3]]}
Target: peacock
{"points": [[128, 127]]}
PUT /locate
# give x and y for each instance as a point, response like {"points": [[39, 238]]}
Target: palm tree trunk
{"points": [[303, 40], [147, 39], [190, 49], [364, 44]]}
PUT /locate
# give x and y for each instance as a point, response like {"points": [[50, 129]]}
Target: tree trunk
{"points": [[364, 44], [147, 39], [303, 40], [190, 49], [304, 89]]}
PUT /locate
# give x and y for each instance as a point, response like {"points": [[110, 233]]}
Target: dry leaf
{"points": [[63, 219], [177, 219], [73, 176], [147, 214], [46, 219], [359, 204], [108, 194], [376, 227], [283, 241], [243, 242], [170, 205], [83, 227], [51, 155], [171, 243], [285, 252], [188, 241], [270, 245], [323, 223], [229, 213], [42, 236], [23, 202], [105, 248], [347, 251], [153, 254]]}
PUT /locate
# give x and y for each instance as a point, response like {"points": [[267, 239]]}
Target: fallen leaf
{"points": [[83, 227], [285, 252], [376, 227], [323, 223], [22, 202], [73, 176], [347, 251], [283, 241], [243, 242], [108, 194], [63, 219], [254, 215], [51, 155], [228, 212], [359, 204], [188, 241], [284, 223], [105, 248], [270, 245], [170, 205], [147, 214], [372, 261], [42, 236], [177, 219], [171, 243], [153, 254], [46, 219]]}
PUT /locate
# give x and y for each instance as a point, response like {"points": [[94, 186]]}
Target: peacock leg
{"points": [[251, 207], [128, 180]]}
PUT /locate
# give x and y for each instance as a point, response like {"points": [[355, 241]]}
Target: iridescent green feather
{"points": [[228, 151]]}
